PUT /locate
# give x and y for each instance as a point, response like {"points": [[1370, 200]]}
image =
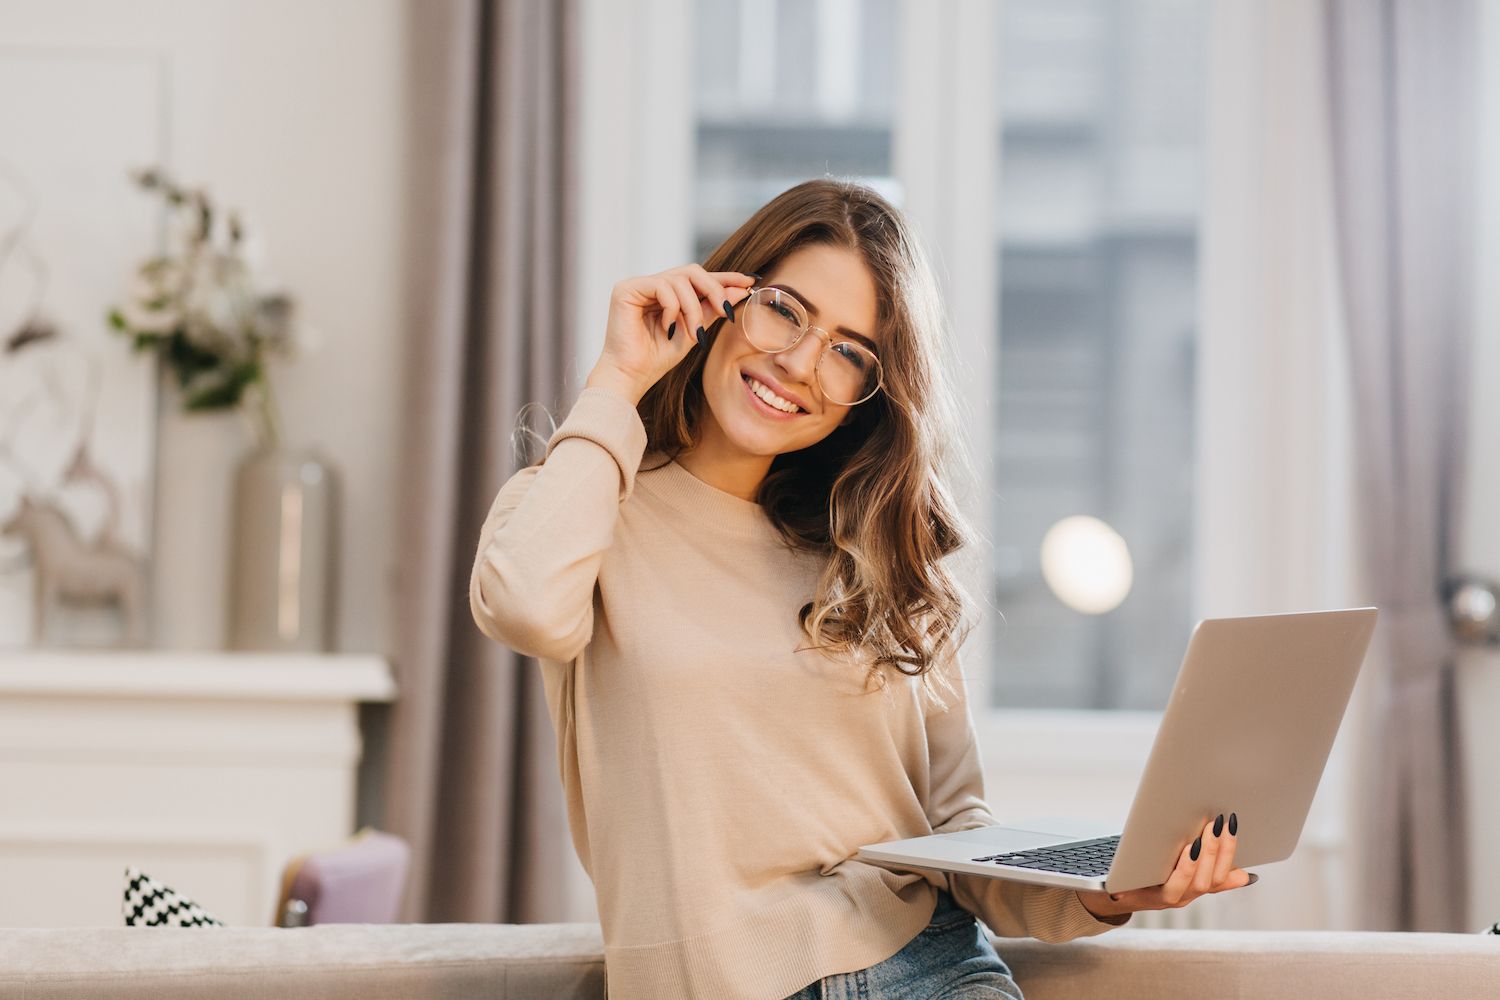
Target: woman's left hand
{"points": [[1206, 865]]}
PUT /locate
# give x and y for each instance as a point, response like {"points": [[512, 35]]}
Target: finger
{"points": [[1180, 881], [1237, 878], [692, 306], [671, 309], [735, 278], [1224, 862], [711, 289], [1203, 878], [723, 296], [668, 323]]}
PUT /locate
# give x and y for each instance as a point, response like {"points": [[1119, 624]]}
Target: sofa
{"points": [[566, 962]]}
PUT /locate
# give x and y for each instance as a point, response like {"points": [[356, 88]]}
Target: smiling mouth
{"points": [[799, 411]]}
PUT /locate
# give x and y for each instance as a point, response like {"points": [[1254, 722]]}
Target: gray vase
{"points": [[283, 585]]}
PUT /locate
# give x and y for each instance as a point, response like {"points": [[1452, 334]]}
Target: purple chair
{"points": [[358, 882]]}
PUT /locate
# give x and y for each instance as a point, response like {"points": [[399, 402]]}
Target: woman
{"points": [[729, 565]]}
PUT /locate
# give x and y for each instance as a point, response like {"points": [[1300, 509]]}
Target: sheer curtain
{"points": [[1273, 448], [1402, 91], [1332, 388]]}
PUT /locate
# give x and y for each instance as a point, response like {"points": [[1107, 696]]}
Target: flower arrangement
{"points": [[201, 308]]}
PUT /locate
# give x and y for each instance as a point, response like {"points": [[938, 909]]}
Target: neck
{"points": [[720, 464]]}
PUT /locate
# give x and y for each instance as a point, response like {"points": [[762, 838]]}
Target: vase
{"points": [[283, 584]]}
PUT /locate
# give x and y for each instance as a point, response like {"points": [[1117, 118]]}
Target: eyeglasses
{"points": [[774, 321]]}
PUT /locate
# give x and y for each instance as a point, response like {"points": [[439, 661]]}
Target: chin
{"points": [[756, 440]]}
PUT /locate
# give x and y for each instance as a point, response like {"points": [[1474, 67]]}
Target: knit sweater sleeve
{"points": [[532, 586], [956, 802]]}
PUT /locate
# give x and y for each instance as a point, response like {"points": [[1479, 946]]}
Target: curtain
{"points": [[1271, 528], [1401, 98], [471, 775]]}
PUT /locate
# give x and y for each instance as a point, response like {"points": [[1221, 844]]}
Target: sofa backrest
{"points": [[566, 962]]}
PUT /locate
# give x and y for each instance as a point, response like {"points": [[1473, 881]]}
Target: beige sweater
{"points": [[719, 780]]}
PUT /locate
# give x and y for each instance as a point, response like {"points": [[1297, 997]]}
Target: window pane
{"points": [[1100, 143], [783, 95]]}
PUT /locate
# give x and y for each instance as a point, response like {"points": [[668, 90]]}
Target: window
{"points": [[1097, 165], [1099, 107], [783, 96]]}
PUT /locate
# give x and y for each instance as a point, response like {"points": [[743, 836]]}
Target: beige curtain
{"points": [[471, 776], [1401, 80]]}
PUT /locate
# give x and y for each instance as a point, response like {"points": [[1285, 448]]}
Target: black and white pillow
{"points": [[148, 903]]}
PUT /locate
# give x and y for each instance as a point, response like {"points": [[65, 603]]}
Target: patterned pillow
{"points": [[148, 903]]}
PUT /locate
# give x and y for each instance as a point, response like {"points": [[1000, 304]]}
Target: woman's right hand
{"points": [[643, 311]]}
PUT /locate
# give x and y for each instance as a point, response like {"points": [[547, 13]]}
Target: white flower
{"points": [[152, 305]]}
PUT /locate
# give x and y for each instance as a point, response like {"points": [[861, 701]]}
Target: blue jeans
{"points": [[950, 959]]}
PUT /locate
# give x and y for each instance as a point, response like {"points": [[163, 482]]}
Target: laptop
{"points": [[1248, 729]]}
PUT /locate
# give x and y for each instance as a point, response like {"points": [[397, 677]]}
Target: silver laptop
{"points": [[1248, 729]]}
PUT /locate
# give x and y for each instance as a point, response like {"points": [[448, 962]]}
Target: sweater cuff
{"points": [[1087, 924], [607, 419]]}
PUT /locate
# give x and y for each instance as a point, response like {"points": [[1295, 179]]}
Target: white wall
{"points": [[294, 113]]}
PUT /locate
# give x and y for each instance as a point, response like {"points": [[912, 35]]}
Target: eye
{"points": [[851, 354], [785, 313]]}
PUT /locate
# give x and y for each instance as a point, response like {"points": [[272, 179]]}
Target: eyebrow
{"points": [[814, 309]]}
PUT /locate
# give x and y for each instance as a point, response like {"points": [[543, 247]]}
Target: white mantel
{"points": [[196, 674], [208, 770]]}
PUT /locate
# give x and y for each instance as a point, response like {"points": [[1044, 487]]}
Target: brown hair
{"points": [[872, 495]]}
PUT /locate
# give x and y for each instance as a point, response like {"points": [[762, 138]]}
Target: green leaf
{"points": [[187, 359], [218, 396], [225, 392], [184, 353], [117, 320]]}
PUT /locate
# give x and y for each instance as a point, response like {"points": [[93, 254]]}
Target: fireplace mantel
{"points": [[208, 770]]}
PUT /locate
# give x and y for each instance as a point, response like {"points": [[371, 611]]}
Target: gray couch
{"points": [[565, 961]]}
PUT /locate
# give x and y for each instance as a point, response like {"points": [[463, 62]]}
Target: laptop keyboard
{"points": [[1083, 857]]}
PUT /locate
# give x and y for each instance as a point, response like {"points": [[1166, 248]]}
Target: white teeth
{"points": [[770, 397]]}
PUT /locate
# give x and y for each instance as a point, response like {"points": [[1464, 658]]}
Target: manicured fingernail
{"points": [[729, 310], [1254, 878], [700, 334], [1219, 825], [1197, 847], [671, 330], [1234, 824]]}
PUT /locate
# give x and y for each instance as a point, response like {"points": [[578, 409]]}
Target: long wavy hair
{"points": [[874, 496]]}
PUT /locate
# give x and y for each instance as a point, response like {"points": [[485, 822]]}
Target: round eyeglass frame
{"points": [[758, 291]]}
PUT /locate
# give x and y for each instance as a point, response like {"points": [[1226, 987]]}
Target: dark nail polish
{"points": [[729, 310], [1254, 878], [700, 334], [1234, 824], [1197, 847], [671, 330], [1219, 825]]}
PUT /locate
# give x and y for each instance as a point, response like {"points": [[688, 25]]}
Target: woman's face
{"points": [[836, 289]]}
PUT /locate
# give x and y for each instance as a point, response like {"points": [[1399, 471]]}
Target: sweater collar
{"points": [[705, 504]]}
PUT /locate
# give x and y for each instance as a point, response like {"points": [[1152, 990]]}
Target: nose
{"points": [[800, 361]]}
